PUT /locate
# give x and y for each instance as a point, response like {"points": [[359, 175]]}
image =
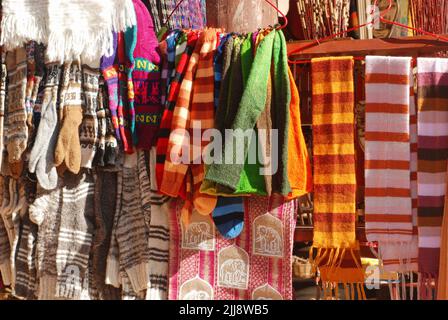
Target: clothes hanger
{"points": [[373, 21], [282, 26]]}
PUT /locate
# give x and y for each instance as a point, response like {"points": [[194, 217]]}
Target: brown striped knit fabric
{"points": [[194, 109], [432, 119], [334, 171]]}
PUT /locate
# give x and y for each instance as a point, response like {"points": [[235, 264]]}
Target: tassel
{"points": [[403, 286], [391, 292], [352, 291], [411, 290], [336, 290], [358, 290], [418, 285], [347, 297], [363, 292]]}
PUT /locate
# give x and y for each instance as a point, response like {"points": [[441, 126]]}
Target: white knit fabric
{"points": [[69, 28]]}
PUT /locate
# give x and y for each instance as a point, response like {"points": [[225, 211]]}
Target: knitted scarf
{"points": [[388, 205], [432, 163], [167, 116], [255, 265], [251, 105], [75, 234], [334, 174], [59, 27]]}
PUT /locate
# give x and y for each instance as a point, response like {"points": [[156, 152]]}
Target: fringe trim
{"points": [[427, 286], [18, 30], [351, 291], [123, 15], [330, 289]]}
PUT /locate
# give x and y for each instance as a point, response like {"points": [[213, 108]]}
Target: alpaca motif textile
{"points": [[69, 29], [256, 265], [388, 203], [334, 171], [432, 79]]}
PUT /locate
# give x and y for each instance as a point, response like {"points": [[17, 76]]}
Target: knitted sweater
{"points": [[146, 77]]}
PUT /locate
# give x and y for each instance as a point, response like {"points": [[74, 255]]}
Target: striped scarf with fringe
{"points": [[334, 177]]}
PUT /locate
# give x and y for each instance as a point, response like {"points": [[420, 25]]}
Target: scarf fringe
{"points": [[123, 15], [426, 289], [352, 290], [18, 30], [74, 45]]}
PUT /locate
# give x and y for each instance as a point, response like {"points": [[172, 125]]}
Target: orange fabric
{"points": [[299, 166], [442, 288]]}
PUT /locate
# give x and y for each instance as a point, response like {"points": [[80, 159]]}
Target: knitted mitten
{"points": [[42, 154], [98, 160], [15, 217], [23, 274], [89, 127], [131, 232], [17, 128], [75, 234], [68, 147]]}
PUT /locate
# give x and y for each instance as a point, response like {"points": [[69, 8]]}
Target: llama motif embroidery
{"points": [[266, 292], [199, 235], [196, 289], [233, 268], [267, 236]]}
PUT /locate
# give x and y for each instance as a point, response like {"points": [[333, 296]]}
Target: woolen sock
{"points": [[88, 131], [105, 189], [68, 147], [229, 216], [131, 230], [109, 68], [98, 159], [5, 248], [158, 242], [251, 105], [3, 77], [24, 254], [146, 78], [42, 154], [30, 83], [17, 127], [144, 184], [112, 263], [75, 234]]}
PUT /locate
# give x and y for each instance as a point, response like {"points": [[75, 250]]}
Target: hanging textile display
{"points": [[334, 175], [432, 118], [256, 265]]}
